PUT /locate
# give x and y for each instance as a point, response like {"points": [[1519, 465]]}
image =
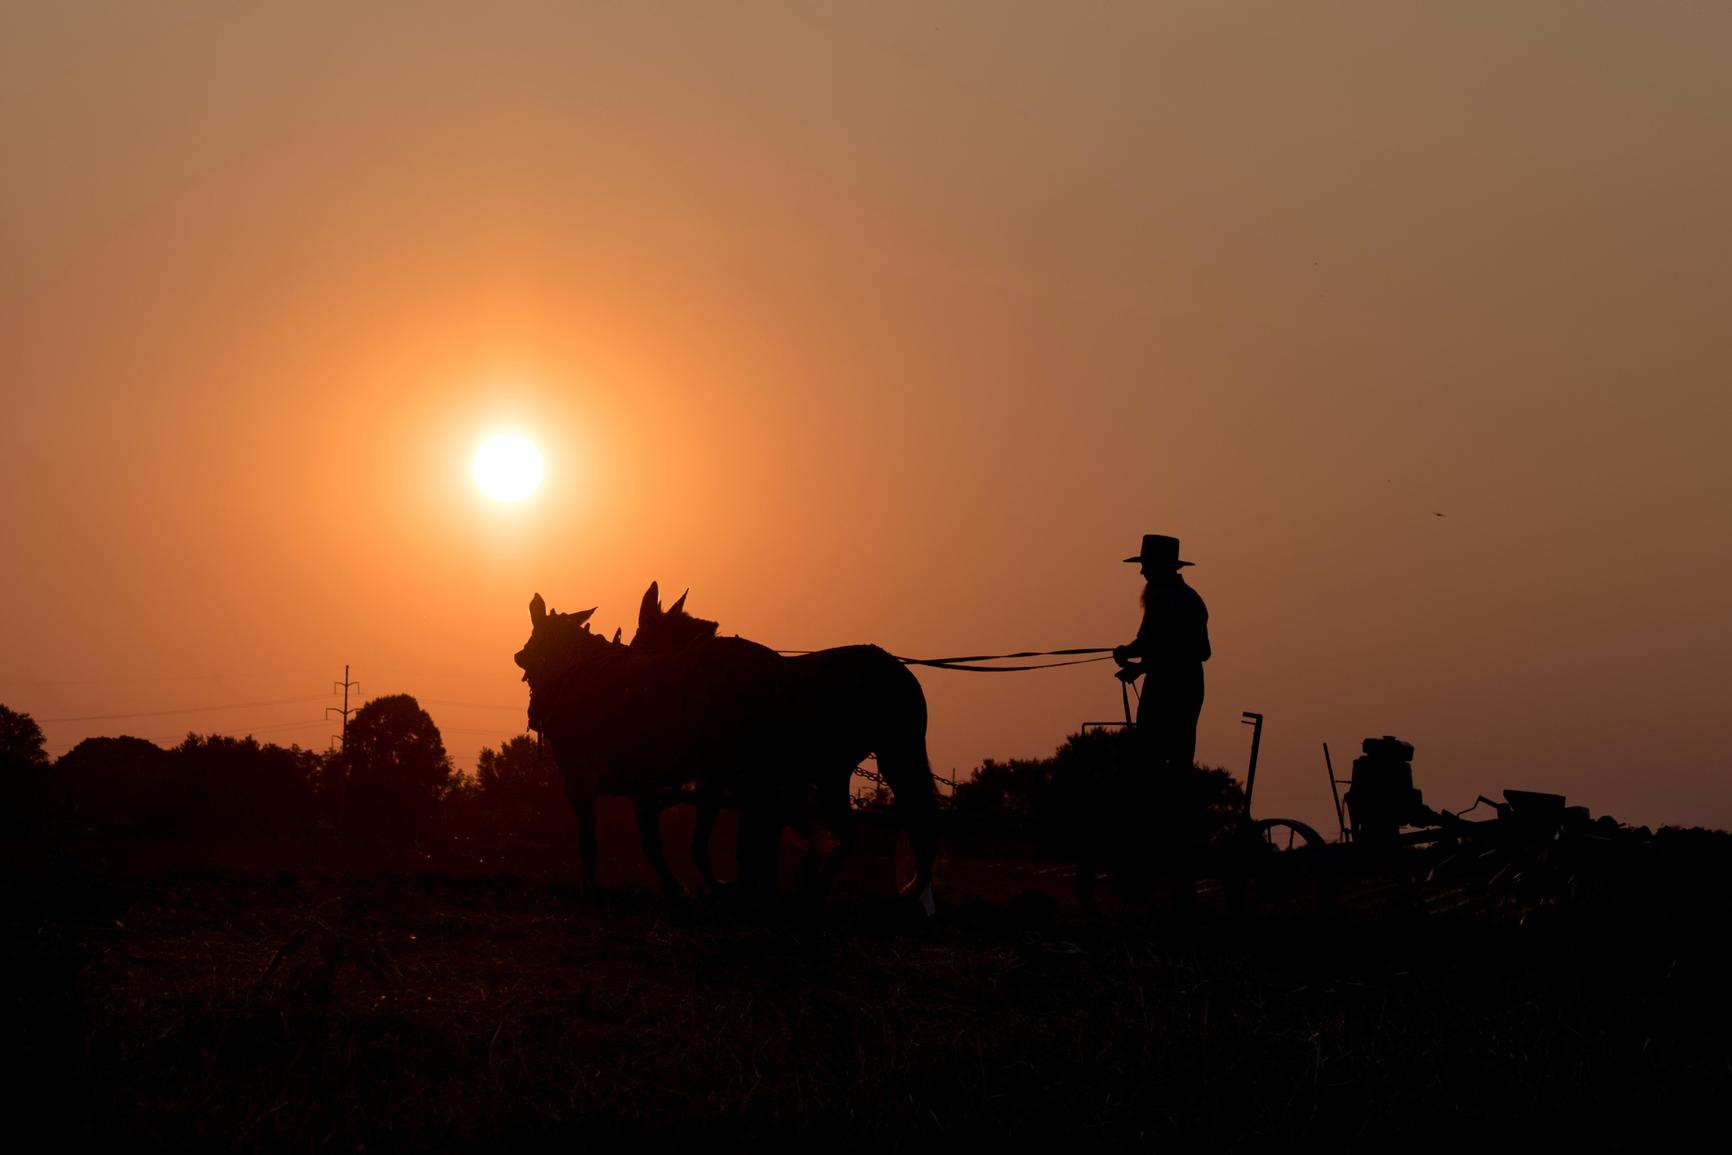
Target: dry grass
{"points": [[362, 1009]]}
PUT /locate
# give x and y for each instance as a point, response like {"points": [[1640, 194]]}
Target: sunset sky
{"points": [[892, 323]]}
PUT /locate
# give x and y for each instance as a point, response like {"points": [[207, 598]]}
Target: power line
{"points": [[223, 675], [272, 728], [244, 731], [346, 711], [469, 705], [186, 710]]}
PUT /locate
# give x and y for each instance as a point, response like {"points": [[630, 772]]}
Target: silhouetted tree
{"points": [[1098, 799], [20, 739], [1097, 785], [22, 763], [461, 810], [520, 785], [330, 781], [395, 764], [111, 784], [1019, 788], [234, 785]]}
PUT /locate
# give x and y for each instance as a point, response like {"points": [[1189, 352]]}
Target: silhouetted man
{"points": [[1168, 653]]}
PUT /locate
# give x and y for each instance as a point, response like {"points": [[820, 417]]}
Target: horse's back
{"points": [[728, 690], [859, 696], [862, 671]]}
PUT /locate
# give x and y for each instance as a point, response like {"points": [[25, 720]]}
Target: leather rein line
{"points": [[970, 662]]}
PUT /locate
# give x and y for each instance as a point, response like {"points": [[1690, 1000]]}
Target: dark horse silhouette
{"points": [[681, 704], [666, 632]]}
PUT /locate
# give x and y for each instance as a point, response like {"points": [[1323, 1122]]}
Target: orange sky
{"points": [[900, 324]]}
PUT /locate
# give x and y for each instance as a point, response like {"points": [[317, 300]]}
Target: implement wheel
{"points": [[1286, 869]]}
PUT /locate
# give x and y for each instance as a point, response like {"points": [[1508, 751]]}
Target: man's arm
{"points": [[1127, 656], [1143, 645]]}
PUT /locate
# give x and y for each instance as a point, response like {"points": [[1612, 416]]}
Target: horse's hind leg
{"points": [[910, 778], [649, 832], [760, 837], [1085, 882], [923, 835], [797, 816]]}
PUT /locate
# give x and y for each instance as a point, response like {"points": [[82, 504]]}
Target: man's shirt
{"points": [[1175, 629]]}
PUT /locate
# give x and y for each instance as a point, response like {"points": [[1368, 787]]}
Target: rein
{"points": [[969, 662]]}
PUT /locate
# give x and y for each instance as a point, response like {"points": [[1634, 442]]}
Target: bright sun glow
{"points": [[507, 468]]}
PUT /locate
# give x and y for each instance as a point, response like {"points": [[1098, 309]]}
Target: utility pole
{"points": [[343, 687], [343, 745]]}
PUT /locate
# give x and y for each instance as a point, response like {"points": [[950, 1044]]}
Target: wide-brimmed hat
{"points": [[1160, 550]]}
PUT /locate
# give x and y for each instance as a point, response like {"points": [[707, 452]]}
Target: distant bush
{"points": [[515, 793], [116, 785], [1096, 784], [520, 787], [234, 785], [208, 785]]}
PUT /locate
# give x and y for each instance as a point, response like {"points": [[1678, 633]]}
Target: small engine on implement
{"points": [[1382, 799]]}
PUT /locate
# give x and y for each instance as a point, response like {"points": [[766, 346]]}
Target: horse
{"points": [[618, 723], [665, 632], [681, 704]]}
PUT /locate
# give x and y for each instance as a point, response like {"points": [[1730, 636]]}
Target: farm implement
{"points": [[1528, 851], [1391, 852]]}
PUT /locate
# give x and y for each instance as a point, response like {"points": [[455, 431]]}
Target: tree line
{"points": [[393, 777]]}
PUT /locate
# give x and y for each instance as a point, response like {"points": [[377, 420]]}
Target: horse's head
{"points": [[663, 631], [558, 644]]}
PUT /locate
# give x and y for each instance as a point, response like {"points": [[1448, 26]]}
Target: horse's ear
{"points": [[537, 610], [680, 606], [617, 634], [651, 607], [581, 617]]}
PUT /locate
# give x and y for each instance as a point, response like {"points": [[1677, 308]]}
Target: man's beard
{"points": [[1149, 585]]}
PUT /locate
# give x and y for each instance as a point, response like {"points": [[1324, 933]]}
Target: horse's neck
{"points": [[581, 681]]}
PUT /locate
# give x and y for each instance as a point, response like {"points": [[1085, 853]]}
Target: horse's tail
{"points": [[903, 761]]}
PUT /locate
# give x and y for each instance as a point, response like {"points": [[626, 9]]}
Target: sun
{"points": [[507, 467]]}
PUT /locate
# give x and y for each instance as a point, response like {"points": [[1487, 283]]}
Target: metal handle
{"points": [[1254, 720]]}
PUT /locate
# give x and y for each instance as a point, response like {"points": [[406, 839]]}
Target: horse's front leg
{"points": [[837, 806], [582, 798], [709, 805], [588, 849], [649, 832]]}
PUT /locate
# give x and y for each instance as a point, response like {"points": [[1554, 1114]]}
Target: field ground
{"points": [[281, 998]]}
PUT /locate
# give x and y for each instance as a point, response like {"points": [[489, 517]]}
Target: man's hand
{"points": [[1120, 654], [1129, 672]]}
